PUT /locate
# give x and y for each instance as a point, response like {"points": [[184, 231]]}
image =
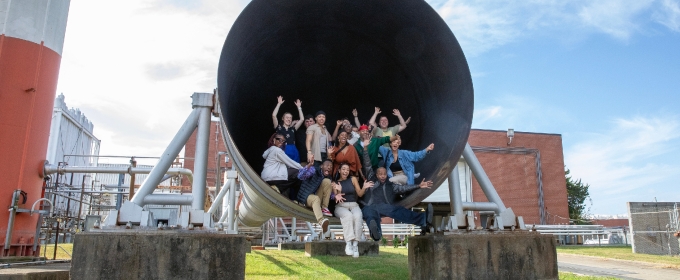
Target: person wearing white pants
{"points": [[347, 192]]}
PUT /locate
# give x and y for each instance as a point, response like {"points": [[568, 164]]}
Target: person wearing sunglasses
{"points": [[280, 171]]}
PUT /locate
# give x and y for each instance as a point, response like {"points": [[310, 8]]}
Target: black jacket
{"points": [[310, 186], [387, 189]]}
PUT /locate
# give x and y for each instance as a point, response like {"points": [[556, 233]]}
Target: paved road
{"points": [[615, 268]]}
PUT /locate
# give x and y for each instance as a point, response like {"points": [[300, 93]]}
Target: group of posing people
{"points": [[362, 171]]}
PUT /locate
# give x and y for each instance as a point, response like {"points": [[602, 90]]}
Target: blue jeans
{"points": [[376, 211]]}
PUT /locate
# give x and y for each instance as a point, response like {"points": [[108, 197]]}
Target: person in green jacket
{"points": [[373, 146]]}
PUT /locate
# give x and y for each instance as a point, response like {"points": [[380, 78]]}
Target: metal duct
{"points": [[336, 56]]}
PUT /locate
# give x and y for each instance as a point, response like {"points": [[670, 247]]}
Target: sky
{"points": [[603, 74]]}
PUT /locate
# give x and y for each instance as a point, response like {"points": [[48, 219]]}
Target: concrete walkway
{"points": [[621, 269], [53, 271]]}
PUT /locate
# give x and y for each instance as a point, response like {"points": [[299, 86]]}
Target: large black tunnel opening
{"points": [[339, 55]]}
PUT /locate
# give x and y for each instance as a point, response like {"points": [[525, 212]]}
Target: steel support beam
{"points": [[482, 178], [202, 102], [169, 155]]}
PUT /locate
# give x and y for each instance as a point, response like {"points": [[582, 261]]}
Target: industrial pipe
{"points": [[168, 199], [36, 203], [51, 169], [336, 56], [481, 206]]}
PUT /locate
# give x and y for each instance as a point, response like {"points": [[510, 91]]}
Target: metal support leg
{"points": [[167, 158], [232, 206], [293, 228], [311, 229], [220, 196], [454, 192], [10, 223], [201, 158], [457, 218], [224, 216], [482, 178], [504, 217]]}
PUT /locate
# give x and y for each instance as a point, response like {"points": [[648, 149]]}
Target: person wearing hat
{"points": [[373, 148], [317, 140]]}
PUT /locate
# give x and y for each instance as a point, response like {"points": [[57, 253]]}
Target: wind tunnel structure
{"points": [[336, 56]]}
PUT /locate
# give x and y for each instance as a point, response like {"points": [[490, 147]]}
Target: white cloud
{"points": [[614, 17], [478, 29], [483, 115], [131, 66], [520, 113], [622, 164], [484, 25], [669, 14]]}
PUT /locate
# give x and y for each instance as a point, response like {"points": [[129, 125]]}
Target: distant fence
{"points": [[585, 234], [652, 225]]}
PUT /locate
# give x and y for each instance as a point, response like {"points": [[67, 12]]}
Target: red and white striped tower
{"points": [[30, 53]]}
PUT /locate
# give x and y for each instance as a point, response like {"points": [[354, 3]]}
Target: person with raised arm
{"points": [[287, 128], [372, 144], [345, 125], [383, 129], [378, 201], [347, 193], [317, 140], [399, 163], [344, 152]]}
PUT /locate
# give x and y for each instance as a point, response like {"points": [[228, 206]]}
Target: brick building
{"points": [[527, 172], [611, 223]]}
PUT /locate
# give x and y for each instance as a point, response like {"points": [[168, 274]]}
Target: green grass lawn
{"points": [[392, 263], [63, 251], [273, 264], [620, 252]]}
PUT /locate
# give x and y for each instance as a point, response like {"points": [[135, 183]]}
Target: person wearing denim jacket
{"points": [[405, 158]]}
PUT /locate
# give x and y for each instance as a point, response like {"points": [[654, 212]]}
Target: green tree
{"points": [[577, 195]]}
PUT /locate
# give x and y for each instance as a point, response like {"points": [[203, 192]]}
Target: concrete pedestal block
{"points": [[337, 248], [483, 255], [292, 246], [158, 255]]}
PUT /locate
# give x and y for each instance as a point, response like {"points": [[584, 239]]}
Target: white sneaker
{"points": [[355, 252], [349, 250]]}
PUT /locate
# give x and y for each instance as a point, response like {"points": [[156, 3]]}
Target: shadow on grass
{"points": [[387, 265], [276, 262]]}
